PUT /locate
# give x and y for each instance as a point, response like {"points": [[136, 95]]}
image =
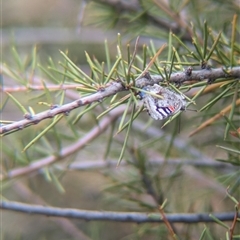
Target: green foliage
{"points": [[150, 162]]}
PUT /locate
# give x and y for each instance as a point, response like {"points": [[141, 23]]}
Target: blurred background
{"points": [[199, 186], [52, 25]]}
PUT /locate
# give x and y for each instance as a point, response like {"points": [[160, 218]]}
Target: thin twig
{"points": [[115, 87], [81, 143], [176, 18], [37, 87], [151, 62], [167, 223], [102, 164], [235, 220], [231, 230], [133, 56], [214, 118], [114, 216]]}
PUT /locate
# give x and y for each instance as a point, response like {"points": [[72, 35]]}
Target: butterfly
{"points": [[162, 102]]}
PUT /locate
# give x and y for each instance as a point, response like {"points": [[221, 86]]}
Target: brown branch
{"points": [[81, 143], [37, 87], [114, 87], [235, 220], [231, 230], [177, 19], [167, 223], [64, 109], [214, 118]]}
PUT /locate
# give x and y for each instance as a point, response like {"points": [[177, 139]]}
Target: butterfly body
{"points": [[162, 102]]}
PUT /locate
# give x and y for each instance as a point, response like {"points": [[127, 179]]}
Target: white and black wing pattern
{"points": [[162, 102]]}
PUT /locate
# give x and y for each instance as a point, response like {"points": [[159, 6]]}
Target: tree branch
{"points": [[64, 109], [66, 151], [38, 87], [114, 216], [117, 86], [103, 164]]}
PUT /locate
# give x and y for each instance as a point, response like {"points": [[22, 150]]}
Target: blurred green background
{"points": [[56, 25]]}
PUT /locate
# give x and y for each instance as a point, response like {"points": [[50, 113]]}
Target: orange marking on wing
{"points": [[171, 108]]}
